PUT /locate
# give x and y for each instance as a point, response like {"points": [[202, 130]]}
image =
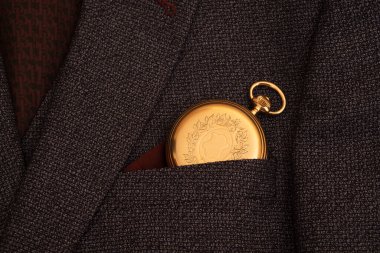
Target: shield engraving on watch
{"points": [[216, 138]]}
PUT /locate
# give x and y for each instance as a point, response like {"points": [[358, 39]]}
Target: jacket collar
{"points": [[121, 56]]}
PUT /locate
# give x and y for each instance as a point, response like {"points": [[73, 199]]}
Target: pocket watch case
{"points": [[220, 130]]}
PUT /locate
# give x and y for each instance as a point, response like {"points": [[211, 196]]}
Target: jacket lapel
{"points": [[11, 160], [121, 56]]}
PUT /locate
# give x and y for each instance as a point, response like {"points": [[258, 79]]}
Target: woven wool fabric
{"points": [[132, 70], [34, 38]]}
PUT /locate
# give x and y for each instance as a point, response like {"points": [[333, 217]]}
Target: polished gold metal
{"points": [[262, 103], [221, 130]]}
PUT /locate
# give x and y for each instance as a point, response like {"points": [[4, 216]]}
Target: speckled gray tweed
{"points": [[132, 70]]}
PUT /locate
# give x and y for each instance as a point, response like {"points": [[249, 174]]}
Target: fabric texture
{"points": [[132, 70], [154, 158], [34, 38]]}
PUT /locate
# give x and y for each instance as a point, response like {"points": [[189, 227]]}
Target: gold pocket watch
{"points": [[220, 130]]}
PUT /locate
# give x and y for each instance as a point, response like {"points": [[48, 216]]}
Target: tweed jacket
{"points": [[133, 68]]}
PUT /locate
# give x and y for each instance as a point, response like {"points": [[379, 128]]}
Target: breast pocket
{"points": [[216, 206]]}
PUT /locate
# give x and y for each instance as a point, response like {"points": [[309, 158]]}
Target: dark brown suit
{"points": [[131, 71]]}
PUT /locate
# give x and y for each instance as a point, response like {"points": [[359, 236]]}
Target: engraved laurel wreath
{"points": [[222, 125]]}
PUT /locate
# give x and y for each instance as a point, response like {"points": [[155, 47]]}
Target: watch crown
{"points": [[262, 104]]}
